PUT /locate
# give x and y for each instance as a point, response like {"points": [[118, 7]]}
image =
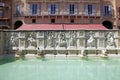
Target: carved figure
{"points": [[73, 39], [110, 40], [91, 40], [50, 39], [31, 40], [14, 39], [61, 40]]}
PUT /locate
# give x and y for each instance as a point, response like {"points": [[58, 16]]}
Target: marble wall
{"points": [[81, 41]]}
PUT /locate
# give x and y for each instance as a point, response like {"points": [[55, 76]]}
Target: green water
{"points": [[60, 69]]}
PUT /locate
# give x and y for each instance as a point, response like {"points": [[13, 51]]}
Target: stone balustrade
{"points": [[62, 42]]}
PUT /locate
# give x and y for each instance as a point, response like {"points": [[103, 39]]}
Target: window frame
{"points": [[34, 9], [72, 9], [52, 9]]}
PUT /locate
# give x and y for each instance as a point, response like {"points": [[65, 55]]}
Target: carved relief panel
{"points": [[14, 39], [31, 40], [61, 40], [50, 39], [90, 39], [8, 42], [110, 39], [73, 39]]}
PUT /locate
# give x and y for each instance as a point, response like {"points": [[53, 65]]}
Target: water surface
{"points": [[60, 69]]}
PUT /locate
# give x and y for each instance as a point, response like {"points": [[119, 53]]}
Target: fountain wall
{"points": [[61, 42]]}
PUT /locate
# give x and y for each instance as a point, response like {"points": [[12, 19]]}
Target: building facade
{"points": [[67, 11], [5, 14], [58, 26], [17, 12]]}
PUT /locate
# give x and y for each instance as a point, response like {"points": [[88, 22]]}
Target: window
{"points": [[33, 20], [107, 10], [18, 10], [1, 13], [34, 9], [52, 9], [72, 9], [52, 20], [90, 9]]}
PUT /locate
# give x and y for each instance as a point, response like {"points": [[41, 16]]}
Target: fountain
{"points": [[82, 42]]}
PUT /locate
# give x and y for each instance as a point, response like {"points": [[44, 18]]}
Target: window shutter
{"points": [[110, 9], [75, 9], [49, 8], [38, 9], [103, 10], [31, 8], [68, 9], [93, 9], [56, 9], [18, 10], [86, 9], [35, 9]]}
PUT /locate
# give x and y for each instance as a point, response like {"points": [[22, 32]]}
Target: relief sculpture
{"points": [[61, 42], [73, 39], [14, 39], [31, 40], [50, 39], [110, 40], [91, 39]]}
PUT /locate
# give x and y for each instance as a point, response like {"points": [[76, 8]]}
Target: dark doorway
{"points": [[108, 24], [18, 24]]}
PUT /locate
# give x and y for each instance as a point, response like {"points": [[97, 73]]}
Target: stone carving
{"points": [[50, 39], [14, 39], [91, 39], [73, 39], [31, 40], [61, 42], [110, 40]]}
